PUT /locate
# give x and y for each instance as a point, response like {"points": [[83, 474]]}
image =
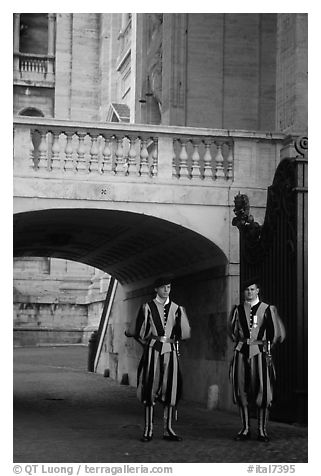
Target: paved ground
{"points": [[62, 413]]}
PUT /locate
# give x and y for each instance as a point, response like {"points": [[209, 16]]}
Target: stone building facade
{"points": [[56, 301], [235, 71]]}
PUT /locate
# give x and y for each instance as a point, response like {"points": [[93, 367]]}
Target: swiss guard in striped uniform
{"points": [[255, 327], [160, 325]]}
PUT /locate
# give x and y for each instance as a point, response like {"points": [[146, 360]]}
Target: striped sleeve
{"points": [[142, 329]]}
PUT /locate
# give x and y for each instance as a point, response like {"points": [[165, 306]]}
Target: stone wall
{"points": [[77, 66], [292, 73], [42, 99], [231, 62], [56, 301]]}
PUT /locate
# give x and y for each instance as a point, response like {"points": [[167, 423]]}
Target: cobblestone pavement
{"points": [[62, 413]]}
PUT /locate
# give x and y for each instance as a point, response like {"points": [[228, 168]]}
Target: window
{"points": [[34, 33]]}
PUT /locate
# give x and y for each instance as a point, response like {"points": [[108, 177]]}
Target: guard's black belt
{"points": [[253, 342], [164, 339]]}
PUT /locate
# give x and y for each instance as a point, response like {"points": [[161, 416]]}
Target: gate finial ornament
{"points": [[301, 146], [242, 211]]}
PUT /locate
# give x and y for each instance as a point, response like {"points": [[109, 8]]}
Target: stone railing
{"points": [[49, 147], [33, 67]]}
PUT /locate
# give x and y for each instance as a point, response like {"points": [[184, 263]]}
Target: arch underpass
{"points": [[132, 247], [135, 248]]}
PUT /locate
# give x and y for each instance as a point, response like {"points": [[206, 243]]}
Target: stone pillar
{"points": [[51, 34], [138, 68], [292, 73], [16, 32], [85, 67], [63, 54], [51, 44], [174, 69], [16, 41]]}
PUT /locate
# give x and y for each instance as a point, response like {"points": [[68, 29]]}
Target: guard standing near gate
{"points": [[255, 327], [160, 325]]}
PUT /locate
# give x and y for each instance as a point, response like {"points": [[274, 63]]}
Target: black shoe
{"points": [[243, 436], [263, 438], [146, 439], [172, 437]]}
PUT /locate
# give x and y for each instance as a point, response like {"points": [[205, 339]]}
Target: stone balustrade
{"points": [[33, 67], [131, 151]]}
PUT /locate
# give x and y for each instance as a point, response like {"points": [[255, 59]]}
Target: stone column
{"points": [[51, 34], [292, 73], [51, 45], [174, 69], [138, 68], [63, 60], [16, 41]]}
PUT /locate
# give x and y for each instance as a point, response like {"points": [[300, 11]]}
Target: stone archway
{"points": [[132, 247]]}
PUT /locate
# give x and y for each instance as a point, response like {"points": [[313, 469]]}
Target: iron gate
{"points": [[276, 253]]}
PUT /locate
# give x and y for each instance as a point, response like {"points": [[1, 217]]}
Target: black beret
{"points": [[249, 282]]}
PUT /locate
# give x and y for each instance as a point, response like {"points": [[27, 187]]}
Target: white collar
{"points": [[253, 303], [161, 302]]}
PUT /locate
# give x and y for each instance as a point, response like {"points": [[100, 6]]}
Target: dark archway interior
{"points": [[129, 246]]}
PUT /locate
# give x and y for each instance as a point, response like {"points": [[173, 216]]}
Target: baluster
{"points": [[174, 168], [100, 145], [154, 169], [143, 169], [81, 161], [229, 172], [119, 156], [196, 170], [31, 161], [183, 169], [55, 160], [31, 155], [107, 154], [93, 161], [132, 154], [43, 150], [208, 173], [219, 162], [68, 162]]}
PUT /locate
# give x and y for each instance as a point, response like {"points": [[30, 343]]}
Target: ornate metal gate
{"points": [[276, 252]]}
